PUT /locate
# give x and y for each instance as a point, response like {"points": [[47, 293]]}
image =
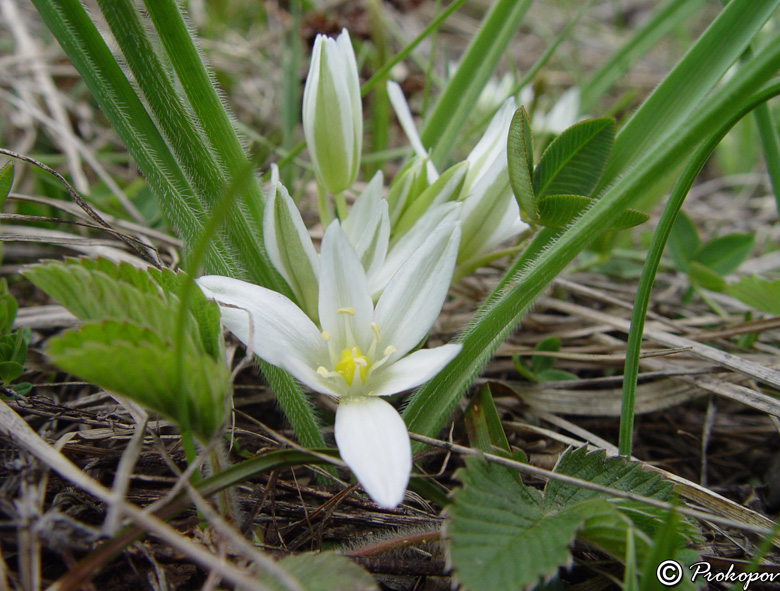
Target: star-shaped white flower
{"points": [[360, 352]]}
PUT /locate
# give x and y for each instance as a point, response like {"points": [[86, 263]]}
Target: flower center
{"points": [[352, 359]]}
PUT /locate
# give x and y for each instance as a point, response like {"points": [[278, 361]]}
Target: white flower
{"points": [[490, 214], [333, 113], [359, 352]]}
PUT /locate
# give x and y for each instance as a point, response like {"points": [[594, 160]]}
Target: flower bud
{"points": [[332, 112]]}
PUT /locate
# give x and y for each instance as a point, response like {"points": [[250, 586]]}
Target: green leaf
{"points": [[616, 472], [540, 363], [204, 311], [559, 211], [668, 544], [324, 571], [555, 375], [520, 156], [8, 308], [13, 354], [6, 181], [683, 241], [494, 520], [9, 371], [572, 164], [666, 17], [761, 294], [705, 277], [679, 98], [135, 361], [725, 254], [123, 294]]}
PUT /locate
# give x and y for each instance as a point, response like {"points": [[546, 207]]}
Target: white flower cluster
{"points": [[369, 298]]}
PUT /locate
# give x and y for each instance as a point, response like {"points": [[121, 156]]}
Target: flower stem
{"points": [[341, 205], [323, 206]]}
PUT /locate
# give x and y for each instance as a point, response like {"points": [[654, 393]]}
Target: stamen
{"points": [[325, 336], [352, 363], [350, 311], [389, 350], [375, 330], [323, 371]]}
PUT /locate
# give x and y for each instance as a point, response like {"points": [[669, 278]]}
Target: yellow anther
{"points": [[389, 350], [375, 330], [323, 371], [349, 361], [350, 311], [325, 335]]}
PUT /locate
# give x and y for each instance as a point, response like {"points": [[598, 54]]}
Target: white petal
{"points": [[363, 209], [492, 145], [285, 246], [411, 371], [412, 240], [413, 298], [346, 308], [310, 96], [373, 247], [401, 108], [565, 112], [373, 441], [274, 328]]}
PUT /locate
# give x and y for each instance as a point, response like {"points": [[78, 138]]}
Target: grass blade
{"points": [[682, 91], [456, 102], [664, 19], [71, 25], [429, 407]]}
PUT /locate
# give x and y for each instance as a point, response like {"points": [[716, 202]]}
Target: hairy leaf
{"points": [[572, 164], [616, 472], [494, 520], [559, 211], [520, 156]]}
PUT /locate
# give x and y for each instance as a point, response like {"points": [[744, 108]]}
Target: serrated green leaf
{"points": [[204, 311], [683, 241], [573, 162], [520, 157], [98, 289], [705, 277], [759, 293], [559, 211], [135, 361], [325, 571], [6, 181], [540, 363], [616, 472], [726, 253], [494, 520]]}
